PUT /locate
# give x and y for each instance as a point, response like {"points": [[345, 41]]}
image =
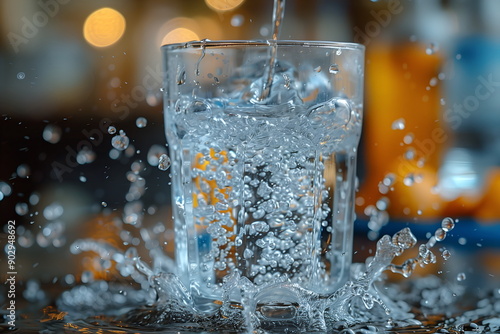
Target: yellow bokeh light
{"points": [[223, 5], [180, 35], [104, 27], [179, 30]]}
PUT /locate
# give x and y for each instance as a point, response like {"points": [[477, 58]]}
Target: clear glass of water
{"points": [[263, 138]]}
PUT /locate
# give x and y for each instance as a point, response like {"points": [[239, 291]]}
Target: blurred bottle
{"points": [[403, 136], [470, 169]]}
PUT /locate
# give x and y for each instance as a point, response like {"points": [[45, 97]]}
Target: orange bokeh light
{"points": [[223, 5], [104, 27]]}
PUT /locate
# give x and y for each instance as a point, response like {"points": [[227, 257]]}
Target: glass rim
{"points": [[261, 43]]}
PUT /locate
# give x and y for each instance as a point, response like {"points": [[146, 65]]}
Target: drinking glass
{"points": [[263, 138]]}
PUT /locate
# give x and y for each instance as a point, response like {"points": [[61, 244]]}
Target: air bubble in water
{"points": [[21, 209], [461, 277], [141, 122], [52, 133], [317, 69], [164, 162], [398, 124], [237, 20], [104, 204], [21, 75], [334, 69], [83, 179], [111, 130], [447, 224], [120, 142], [433, 82]]}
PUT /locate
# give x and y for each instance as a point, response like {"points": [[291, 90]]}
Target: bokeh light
{"points": [[180, 35], [223, 5], [104, 27], [179, 30]]}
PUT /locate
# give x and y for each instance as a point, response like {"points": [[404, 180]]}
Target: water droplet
{"points": [[111, 130], [141, 122], [317, 69], [382, 204], [334, 69], [53, 211], [433, 82], [265, 30], [389, 179], [446, 254], [85, 156], [120, 142], [447, 224], [21, 75], [404, 239], [432, 48], [23, 170], [83, 179], [104, 204], [154, 154], [398, 124], [21, 209], [440, 234], [87, 276], [409, 179], [237, 20], [408, 139], [34, 199], [410, 154], [338, 52], [52, 133], [164, 162], [5, 189], [461, 277]]}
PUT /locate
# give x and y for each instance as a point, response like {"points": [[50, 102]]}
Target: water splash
{"points": [[357, 301]]}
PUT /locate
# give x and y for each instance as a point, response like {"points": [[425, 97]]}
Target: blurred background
{"points": [[70, 69]]}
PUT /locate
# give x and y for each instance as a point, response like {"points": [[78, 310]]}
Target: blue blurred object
{"points": [[475, 235]]}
